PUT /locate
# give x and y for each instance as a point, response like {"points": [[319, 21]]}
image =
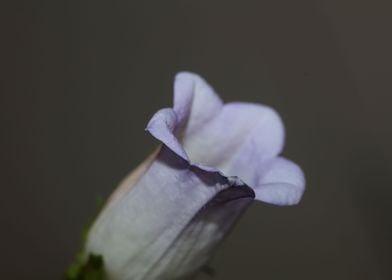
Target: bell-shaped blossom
{"points": [[165, 219]]}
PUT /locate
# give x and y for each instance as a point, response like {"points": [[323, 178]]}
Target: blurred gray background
{"points": [[82, 78]]}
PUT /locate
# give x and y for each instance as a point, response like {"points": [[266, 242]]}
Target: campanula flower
{"points": [[165, 219]]}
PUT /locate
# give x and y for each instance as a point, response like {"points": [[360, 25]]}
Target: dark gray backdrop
{"points": [[81, 79]]}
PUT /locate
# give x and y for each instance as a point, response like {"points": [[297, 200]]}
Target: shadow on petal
{"points": [[200, 238]]}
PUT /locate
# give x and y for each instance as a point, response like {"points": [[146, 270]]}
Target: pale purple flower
{"points": [[165, 219]]}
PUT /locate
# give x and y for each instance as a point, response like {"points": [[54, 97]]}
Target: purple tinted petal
{"points": [[282, 182], [193, 247], [195, 102], [162, 126], [237, 139], [240, 135], [139, 230]]}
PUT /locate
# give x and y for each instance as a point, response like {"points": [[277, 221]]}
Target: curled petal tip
{"points": [[281, 183], [162, 126]]}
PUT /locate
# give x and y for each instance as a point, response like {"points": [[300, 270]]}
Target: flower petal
{"points": [[134, 233], [240, 135], [238, 139], [194, 245], [195, 102], [162, 126], [282, 182]]}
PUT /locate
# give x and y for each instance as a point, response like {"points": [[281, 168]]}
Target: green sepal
{"points": [[90, 269]]}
